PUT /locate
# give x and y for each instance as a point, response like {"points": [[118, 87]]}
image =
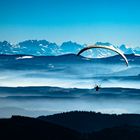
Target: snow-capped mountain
{"points": [[46, 48], [35, 47]]}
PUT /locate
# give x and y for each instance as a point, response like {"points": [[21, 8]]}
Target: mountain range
{"points": [[46, 48], [99, 126]]}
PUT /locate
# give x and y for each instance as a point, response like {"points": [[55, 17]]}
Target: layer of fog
{"points": [[69, 77], [37, 107]]}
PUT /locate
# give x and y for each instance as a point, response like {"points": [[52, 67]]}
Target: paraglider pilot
{"points": [[97, 88]]}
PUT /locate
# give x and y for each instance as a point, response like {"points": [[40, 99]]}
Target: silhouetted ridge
{"points": [[121, 127], [91, 121]]}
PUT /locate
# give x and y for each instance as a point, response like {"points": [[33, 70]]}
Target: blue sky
{"points": [[83, 21]]}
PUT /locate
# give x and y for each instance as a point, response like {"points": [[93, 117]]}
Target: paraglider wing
{"points": [[105, 47]]}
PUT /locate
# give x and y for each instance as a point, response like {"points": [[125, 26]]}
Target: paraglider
{"points": [[103, 47]]}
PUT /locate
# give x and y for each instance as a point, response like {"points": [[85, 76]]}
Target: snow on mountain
{"points": [[137, 50], [44, 47], [126, 49], [70, 47], [104, 52], [35, 47], [5, 48]]}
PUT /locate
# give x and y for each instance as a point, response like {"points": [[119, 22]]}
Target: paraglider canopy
{"points": [[104, 47]]}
